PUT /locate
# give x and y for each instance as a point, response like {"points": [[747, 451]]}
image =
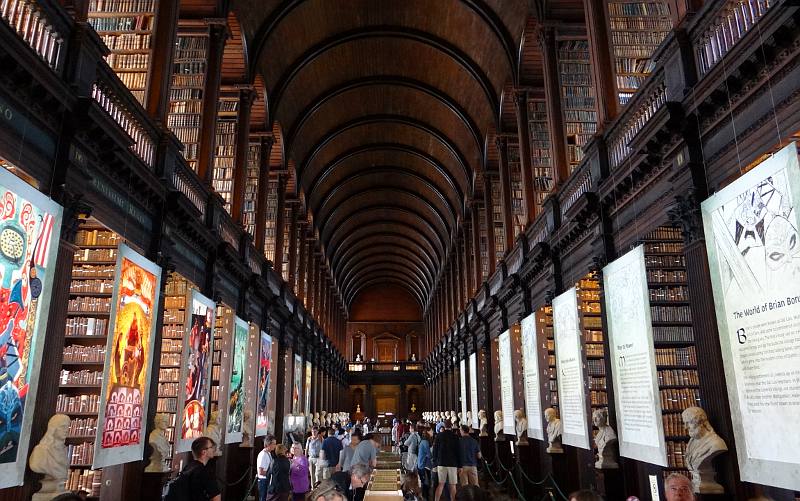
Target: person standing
{"points": [[264, 465], [279, 483], [299, 473], [412, 443], [424, 461], [470, 452], [201, 481], [346, 456], [446, 455], [313, 446], [367, 451], [331, 447]]}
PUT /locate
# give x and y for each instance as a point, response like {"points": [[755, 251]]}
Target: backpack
{"points": [[178, 488]]}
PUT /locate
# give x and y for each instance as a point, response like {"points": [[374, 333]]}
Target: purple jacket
{"points": [[299, 475]]}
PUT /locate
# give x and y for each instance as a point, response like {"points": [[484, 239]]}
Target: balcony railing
{"points": [[384, 366], [29, 20], [619, 149], [112, 104]]}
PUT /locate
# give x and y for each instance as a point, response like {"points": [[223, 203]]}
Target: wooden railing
{"points": [[33, 25], [227, 230], [641, 109], [384, 366], [186, 181], [579, 183]]}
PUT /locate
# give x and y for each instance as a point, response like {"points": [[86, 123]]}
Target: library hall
{"points": [[381, 250]]}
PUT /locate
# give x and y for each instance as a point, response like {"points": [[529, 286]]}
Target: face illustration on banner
{"points": [[28, 235], [236, 386], [131, 343], [264, 369], [297, 384], [197, 360]]}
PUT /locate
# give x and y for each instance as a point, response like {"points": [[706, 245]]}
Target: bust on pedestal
{"points": [[498, 427], [214, 433], [521, 427], [483, 423], [704, 446], [49, 458], [605, 440], [160, 445], [554, 431]]}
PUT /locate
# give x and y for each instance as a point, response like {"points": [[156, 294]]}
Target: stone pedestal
{"points": [[487, 449], [153, 483], [561, 472], [610, 483]]}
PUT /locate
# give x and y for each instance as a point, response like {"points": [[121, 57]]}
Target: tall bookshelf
{"points": [[271, 219], [673, 338], [577, 97], [483, 240], [223, 332], [225, 145], [517, 197], [637, 29], [287, 217], [85, 336], [251, 187], [497, 217], [541, 162], [588, 289], [545, 327], [186, 92], [126, 27]]}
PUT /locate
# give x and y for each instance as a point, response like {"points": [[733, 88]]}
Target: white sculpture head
{"points": [[696, 422], [600, 417], [498, 415], [161, 421]]}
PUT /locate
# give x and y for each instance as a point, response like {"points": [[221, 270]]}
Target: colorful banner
{"points": [[195, 370], [297, 384], [473, 389], [506, 383], [236, 382], [751, 228], [264, 387], [533, 387], [307, 394], [129, 361], [30, 227]]}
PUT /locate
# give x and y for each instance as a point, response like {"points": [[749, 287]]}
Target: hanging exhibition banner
{"points": [[251, 385], [473, 389], [462, 374], [297, 384], [640, 428], [506, 383], [30, 228], [569, 366], [129, 360], [751, 229], [196, 371], [530, 365], [307, 394], [236, 382], [264, 387]]}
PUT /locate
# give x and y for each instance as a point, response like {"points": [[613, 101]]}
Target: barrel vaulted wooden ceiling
{"points": [[386, 110]]}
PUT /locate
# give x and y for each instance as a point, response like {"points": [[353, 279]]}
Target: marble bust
{"points": [[554, 430], [49, 458], [454, 419], [605, 440], [704, 445], [498, 427], [521, 427], [483, 423], [460, 419], [468, 419], [214, 432], [158, 441]]}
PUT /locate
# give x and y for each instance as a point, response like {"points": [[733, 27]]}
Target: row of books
{"points": [[183, 120], [85, 286], [676, 454], [652, 38], [670, 293], [174, 331], [133, 80], [228, 105], [80, 454], [634, 51], [166, 405], [168, 388], [82, 427], [127, 41], [174, 302], [596, 367], [93, 271], [169, 358], [676, 399], [625, 65], [630, 81], [577, 103], [169, 375], [672, 334], [598, 397], [189, 75], [84, 377], [122, 5], [683, 356], [640, 23], [191, 47], [665, 261], [97, 237], [638, 9], [86, 326], [678, 377], [88, 481], [673, 425], [90, 304], [185, 100], [581, 116], [597, 383], [594, 350], [70, 404], [123, 62], [661, 276], [81, 353], [188, 136], [671, 313], [171, 345], [122, 23], [83, 255]]}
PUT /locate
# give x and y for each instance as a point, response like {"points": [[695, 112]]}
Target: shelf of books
{"points": [[223, 330], [517, 197], [637, 29], [540, 150], [497, 216], [271, 219], [673, 337], [483, 240], [172, 334], [544, 318], [287, 218], [588, 289], [126, 27], [577, 97], [251, 188], [225, 145], [85, 349], [187, 90]]}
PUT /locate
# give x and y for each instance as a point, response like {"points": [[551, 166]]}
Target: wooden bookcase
{"points": [[673, 338], [517, 197], [543, 178], [225, 145], [126, 27], [589, 304], [287, 217], [637, 29], [497, 217], [251, 187], [483, 239], [577, 97], [187, 90], [85, 339], [271, 219], [544, 319], [223, 330]]}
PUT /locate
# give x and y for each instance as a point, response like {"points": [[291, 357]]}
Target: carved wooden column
{"points": [[279, 222], [552, 92], [163, 37], [263, 191], [301, 263], [602, 62], [469, 273], [505, 193], [246, 97], [476, 245], [293, 228], [218, 32], [528, 188]]}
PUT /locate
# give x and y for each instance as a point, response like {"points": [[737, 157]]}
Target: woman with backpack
{"points": [[280, 486]]}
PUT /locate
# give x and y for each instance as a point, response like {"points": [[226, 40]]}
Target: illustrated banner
{"points": [[751, 229], [473, 389], [196, 370], [236, 382], [30, 228], [633, 368], [264, 387], [530, 365], [307, 385], [462, 374], [506, 383], [569, 365], [297, 384], [129, 361]]}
